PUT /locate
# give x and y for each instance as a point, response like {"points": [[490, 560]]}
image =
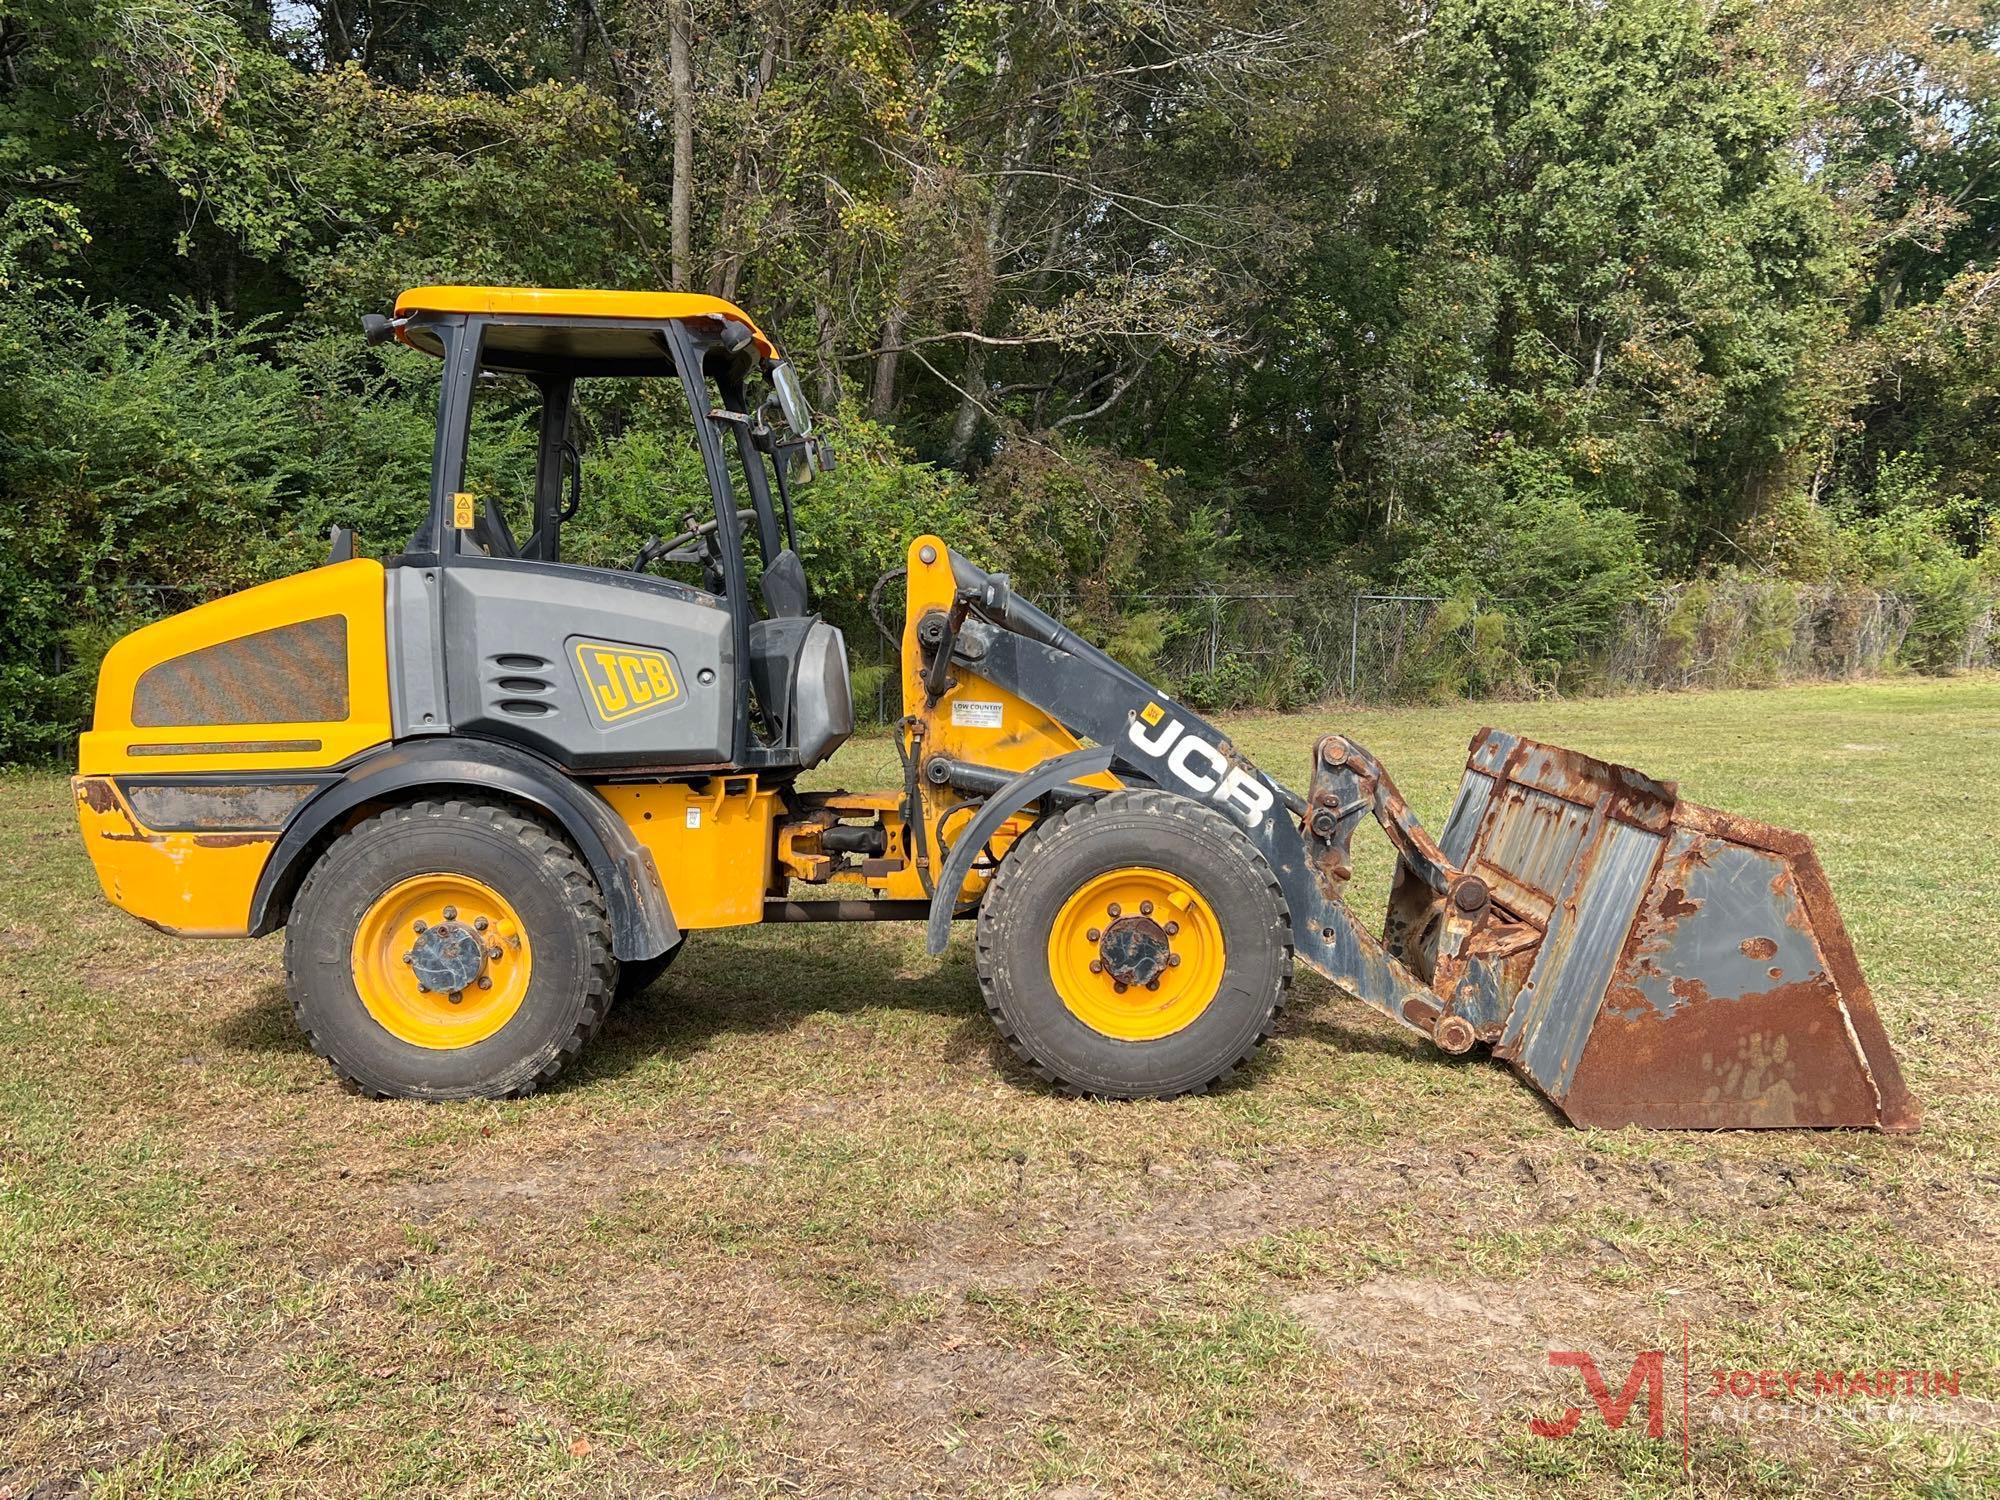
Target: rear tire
{"points": [[396, 900], [1207, 959]]}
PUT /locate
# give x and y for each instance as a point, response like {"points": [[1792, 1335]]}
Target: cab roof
{"points": [[566, 305]]}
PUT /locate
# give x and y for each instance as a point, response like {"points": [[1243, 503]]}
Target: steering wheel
{"points": [[682, 548]]}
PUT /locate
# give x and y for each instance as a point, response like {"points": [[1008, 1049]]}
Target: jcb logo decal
{"points": [[1200, 765], [621, 682]]}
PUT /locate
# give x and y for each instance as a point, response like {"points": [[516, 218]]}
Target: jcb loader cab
{"points": [[484, 788]]}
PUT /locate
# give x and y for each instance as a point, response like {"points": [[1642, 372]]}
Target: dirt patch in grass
{"points": [[113, 1402]]}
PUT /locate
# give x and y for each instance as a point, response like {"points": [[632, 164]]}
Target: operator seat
{"points": [[784, 586]]}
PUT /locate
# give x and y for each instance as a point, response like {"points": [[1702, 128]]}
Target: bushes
{"points": [[1730, 629], [143, 463], [150, 462], [1462, 650], [856, 522], [1539, 570], [1945, 590]]}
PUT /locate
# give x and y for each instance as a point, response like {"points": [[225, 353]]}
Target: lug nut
{"points": [[1122, 986], [1173, 961], [492, 952], [1152, 984], [421, 925], [1097, 966], [486, 981], [410, 957], [479, 924], [450, 913], [422, 988], [1172, 928], [1093, 935], [457, 996], [1114, 908]]}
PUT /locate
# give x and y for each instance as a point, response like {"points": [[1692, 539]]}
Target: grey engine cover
{"points": [[592, 668]]}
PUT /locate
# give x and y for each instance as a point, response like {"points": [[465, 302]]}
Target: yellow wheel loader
{"points": [[483, 788]]}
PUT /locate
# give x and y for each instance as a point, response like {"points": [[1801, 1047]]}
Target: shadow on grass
{"points": [[771, 980], [264, 1025], [739, 981], [1343, 1025]]}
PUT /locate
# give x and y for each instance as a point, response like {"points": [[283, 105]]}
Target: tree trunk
{"points": [[972, 397], [882, 390], [680, 85], [336, 31], [827, 341], [971, 406], [729, 252]]}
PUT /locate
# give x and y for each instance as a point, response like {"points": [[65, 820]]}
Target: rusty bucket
{"points": [[1649, 961]]}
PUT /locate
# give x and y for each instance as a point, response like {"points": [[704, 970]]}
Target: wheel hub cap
{"points": [[441, 960], [1135, 950], [448, 957]]}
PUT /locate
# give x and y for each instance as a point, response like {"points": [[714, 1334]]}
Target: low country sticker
{"points": [[975, 713]]}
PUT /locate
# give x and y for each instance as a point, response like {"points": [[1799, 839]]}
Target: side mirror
{"points": [[791, 398], [377, 329]]}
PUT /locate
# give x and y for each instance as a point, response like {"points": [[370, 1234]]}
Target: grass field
{"points": [[799, 1226]]}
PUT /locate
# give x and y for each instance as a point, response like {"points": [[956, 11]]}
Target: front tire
{"points": [[1136, 947], [449, 950]]}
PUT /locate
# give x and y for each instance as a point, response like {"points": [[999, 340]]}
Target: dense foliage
{"points": [[1536, 305]]}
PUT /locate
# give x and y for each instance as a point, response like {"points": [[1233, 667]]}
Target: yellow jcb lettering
{"points": [[635, 684], [610, 696], [660, 679]]}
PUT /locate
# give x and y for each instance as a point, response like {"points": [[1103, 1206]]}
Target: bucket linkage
{"points": [[1640, 959]]}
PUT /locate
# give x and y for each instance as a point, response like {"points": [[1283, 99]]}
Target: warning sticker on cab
{"points": [[971, 713]]}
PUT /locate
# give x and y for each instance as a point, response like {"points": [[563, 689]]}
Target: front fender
{"points": [[642, 925], [1029, 786]]}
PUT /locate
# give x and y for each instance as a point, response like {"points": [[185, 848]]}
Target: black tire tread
{"points": [[556, 855], [1019, 869], [641, 974]]}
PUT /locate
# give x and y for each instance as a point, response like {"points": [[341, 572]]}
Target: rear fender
{"points": [[642, 925]]}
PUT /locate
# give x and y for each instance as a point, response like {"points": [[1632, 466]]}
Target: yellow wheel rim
{"points": [[457, 931], [1136, 954]]}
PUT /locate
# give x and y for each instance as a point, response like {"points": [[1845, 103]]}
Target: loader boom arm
{"points": [[1637, 958], [1005, 640]]}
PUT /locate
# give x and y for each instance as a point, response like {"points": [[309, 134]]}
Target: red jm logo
{"points": [[1648, 1370]]}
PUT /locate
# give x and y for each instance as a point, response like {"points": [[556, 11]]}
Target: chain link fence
{"points": [[1285, 649], [1739, 632]]}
